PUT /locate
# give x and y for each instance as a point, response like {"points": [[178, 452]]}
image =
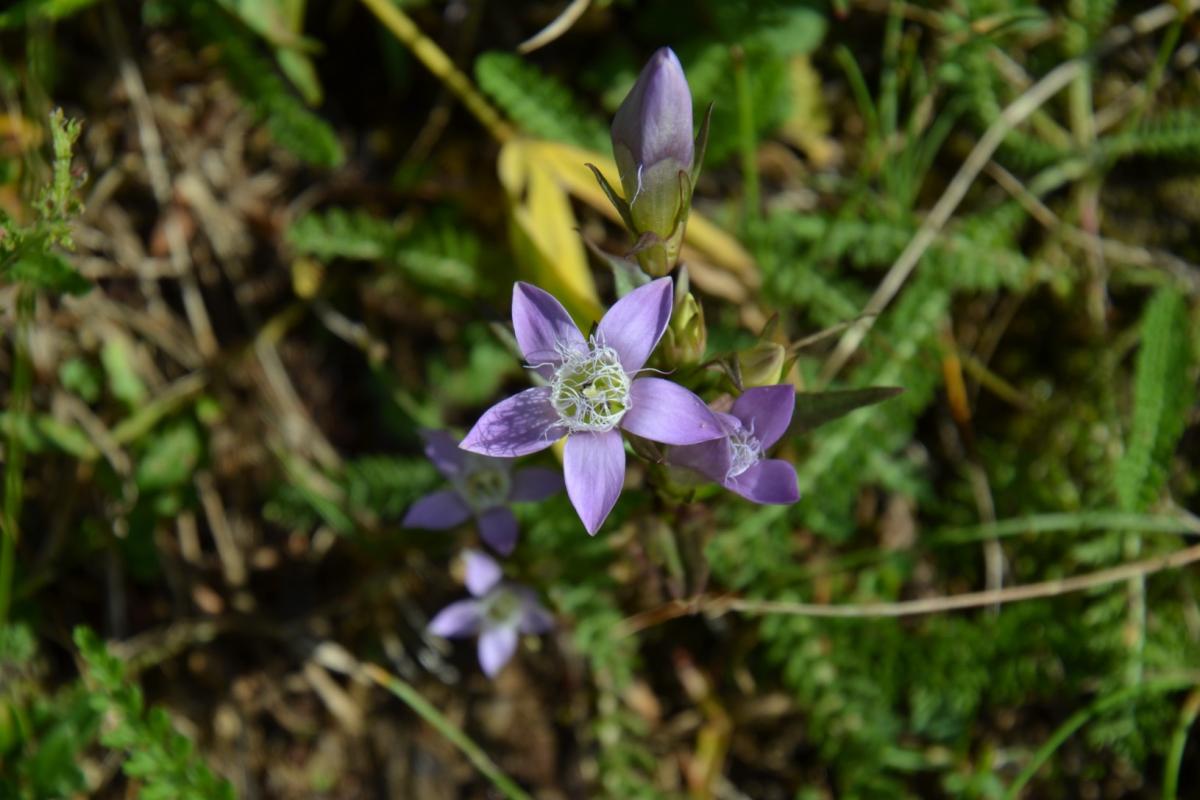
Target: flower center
{"points": [[590, 388], [486, 487], [501, 607], [744, 451]]}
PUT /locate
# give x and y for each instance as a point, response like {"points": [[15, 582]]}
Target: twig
{"points": [[717, 606], [557, 27], [1014, 114], [437, 62], [233, 566], [160, 184]]}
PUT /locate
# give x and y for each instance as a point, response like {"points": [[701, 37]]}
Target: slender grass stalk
{"points": [[474, 753], [437, 62], [14, 455], [1174, 757], [747, 141], [1082, 717]]}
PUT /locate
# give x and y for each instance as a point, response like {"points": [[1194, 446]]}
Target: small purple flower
{"points": [[593, 389], [756, 422], [482, 487], [497, 612]]}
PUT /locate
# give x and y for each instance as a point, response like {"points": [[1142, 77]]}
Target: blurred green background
{"points": [[265, 242]]}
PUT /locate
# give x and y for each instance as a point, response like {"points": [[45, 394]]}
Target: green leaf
{"points": [[1162, 395], [537, 103], [47, 271], [28, 11], [170, 458], [814, 409], [123, 380]]}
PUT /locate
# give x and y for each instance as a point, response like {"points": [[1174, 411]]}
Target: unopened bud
{"points": [[654, 148], [762, 364], [686, 337]]}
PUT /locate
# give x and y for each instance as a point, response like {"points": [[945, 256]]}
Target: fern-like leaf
{"points": [[1163, 393], [538, 103]]}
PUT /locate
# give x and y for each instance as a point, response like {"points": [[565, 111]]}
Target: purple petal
{"points": [[442, 449], [534, 617], [524, 423], [460, 618], [541, 324], [766, 410], [438, 511], [532, 484], [498, 527], [711, 459], [482, 573], [769, 482], [636, 322], [666, 412], [594, 464], [496, 648]]}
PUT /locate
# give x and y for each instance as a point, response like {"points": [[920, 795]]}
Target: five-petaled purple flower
{"points": [[594, 388], [756, 422], [497, 612], [482, 487]]}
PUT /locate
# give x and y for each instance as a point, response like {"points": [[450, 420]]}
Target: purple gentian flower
{"points": [[756, 422], [497, 612], [593, 389], [652, 130], [482, 487]]}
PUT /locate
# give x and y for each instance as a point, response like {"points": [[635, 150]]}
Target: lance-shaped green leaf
{"points": [[814, 409]]}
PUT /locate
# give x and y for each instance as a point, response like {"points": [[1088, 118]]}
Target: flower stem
{"points": [[437, 62], [746, 137], [474, 753], [14, 455]]}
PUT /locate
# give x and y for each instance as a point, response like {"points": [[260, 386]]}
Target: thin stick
{"points": [[437, 62], [557, 27], [1012, 116], [716, 606]]}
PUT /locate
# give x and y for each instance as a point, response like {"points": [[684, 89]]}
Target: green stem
{"points": [[474, 753], [1174, 758], [747, 144], [1082, 717], [14, 459]]}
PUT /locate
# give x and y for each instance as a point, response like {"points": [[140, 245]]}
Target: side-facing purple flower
{"points": [[481, 487], [756, 422], [498, 611], [594, 388]]}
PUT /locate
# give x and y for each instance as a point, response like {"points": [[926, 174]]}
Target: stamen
{"points": [[745, 451], [485, 487], [502, 607], [590, 388]]}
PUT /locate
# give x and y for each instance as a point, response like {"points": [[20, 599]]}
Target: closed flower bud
{"points": [[654, 149], [762, 364], [687, 337]]}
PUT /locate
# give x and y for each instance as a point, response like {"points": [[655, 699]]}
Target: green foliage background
{"points": [[249, 248]]}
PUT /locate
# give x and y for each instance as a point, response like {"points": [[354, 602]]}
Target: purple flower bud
{"points": [[654, 124], [654, 150]]}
